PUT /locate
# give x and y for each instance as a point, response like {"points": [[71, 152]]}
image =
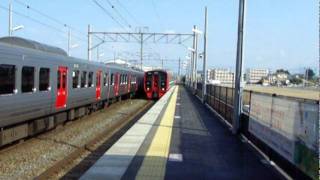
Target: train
{"points": [[156, 83], [42, 87]]}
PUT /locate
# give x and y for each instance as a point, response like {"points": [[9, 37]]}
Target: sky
{"points": [[278, 34]]}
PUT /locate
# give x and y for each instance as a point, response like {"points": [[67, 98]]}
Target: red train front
{"points": [[156, 83]]}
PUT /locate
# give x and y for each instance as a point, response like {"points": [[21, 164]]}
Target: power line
{"points": [[128, 12], [119, 14], [108, 13], [156, 12], [34, 20], [52, 19]]}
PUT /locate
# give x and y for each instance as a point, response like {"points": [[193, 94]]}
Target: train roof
{"points": [[26, 43], [31, 46], [158, 70]]}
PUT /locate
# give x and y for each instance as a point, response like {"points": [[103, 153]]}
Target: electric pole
{"points": [[193, 61], [204, 79], [10, 19], [196, 58], [89, 42], [179, 67], [238, 89], [69, 41], [141, 49], [162, 63]]}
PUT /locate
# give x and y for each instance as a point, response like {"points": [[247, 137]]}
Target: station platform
{"points": [[180, 138]]}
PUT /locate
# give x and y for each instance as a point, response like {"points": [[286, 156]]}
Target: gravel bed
{"points": [[29, 159]]}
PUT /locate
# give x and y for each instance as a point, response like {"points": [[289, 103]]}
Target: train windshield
{"points": [[163, 79], [149, 79]]}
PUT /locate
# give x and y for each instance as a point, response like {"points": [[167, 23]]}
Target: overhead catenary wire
{"points": [[156, 12], [54, 20], [119, 14], [128, 12], [109, 14], [34, 20]]}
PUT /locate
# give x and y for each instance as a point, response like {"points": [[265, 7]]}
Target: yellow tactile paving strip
{"points": [[155, 160]]}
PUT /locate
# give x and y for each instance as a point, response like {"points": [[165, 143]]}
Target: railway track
{"points": [[69, 151]]}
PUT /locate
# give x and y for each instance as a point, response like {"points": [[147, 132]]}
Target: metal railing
{"points": [[266, 116]]}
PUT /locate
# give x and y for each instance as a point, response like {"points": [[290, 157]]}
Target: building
{"points": [[279, 78], [254, 76], [223, 76]]}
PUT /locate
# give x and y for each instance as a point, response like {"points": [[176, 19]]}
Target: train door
{"points": [[156, 83], [62, 90], [116, 84], [98, 85], [129, 82]]}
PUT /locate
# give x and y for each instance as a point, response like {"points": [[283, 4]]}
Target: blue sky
{"points": [[279, 34]]}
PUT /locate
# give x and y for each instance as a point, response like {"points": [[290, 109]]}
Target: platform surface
{"points": [[180, 139]]}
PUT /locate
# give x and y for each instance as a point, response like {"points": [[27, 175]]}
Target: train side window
{"points": [[75, 79], [44, 79], [27, 79], [7, 79], [64, 78], [58, 80], [105, 79], [90, 79], [112, 80], [83, 79]]}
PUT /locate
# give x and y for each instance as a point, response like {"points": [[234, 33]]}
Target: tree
{"points": [[310, 74], [296, 80], [282, 71]]}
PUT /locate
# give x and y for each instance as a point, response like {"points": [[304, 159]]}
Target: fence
{"points": [[284, 128]]}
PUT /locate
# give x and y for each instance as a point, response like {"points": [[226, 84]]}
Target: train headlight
{"points": [[162, 89], [148, 89]]}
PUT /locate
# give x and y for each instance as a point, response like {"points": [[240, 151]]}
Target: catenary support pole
{"points": [[10, 19], [193, 58], [179, 67], [204, 79], [69, 41], [238, 89], [196, 60], [89, 42], [141, 50]]}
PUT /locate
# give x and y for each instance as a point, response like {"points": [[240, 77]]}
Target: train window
{"points": [[90, 79], [83, 79], [75, 79], [27, 79], [58, 80], [7, 78], [121, 78], [64, 80], [112, 79], [44, 79], [105, 79]]}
